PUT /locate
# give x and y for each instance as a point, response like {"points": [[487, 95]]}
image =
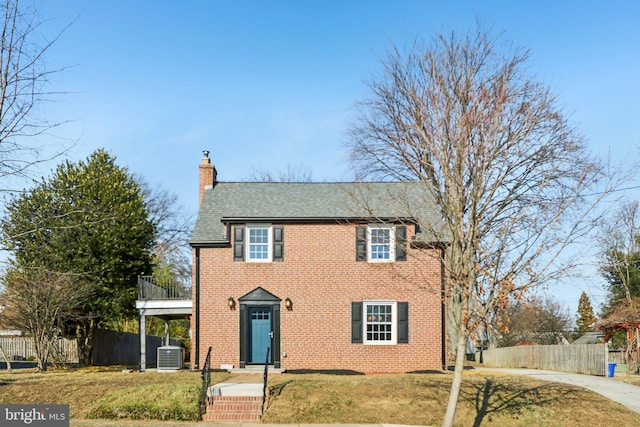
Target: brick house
{"points": [[327, 276]]}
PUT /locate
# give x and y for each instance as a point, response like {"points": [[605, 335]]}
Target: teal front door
{"points": [[260, 333]]}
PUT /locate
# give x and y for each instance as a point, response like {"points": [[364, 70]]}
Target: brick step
{"points": [[234, 409], [233, 405], [224, 417]]}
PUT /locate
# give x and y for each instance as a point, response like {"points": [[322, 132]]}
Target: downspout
{"points": [[197, 308], [443, 312]]}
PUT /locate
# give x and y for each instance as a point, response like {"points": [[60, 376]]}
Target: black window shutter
{"points": [[401, 243], [356, 322], [278, 243], [361, 243], [403, 322], [238, 243]]}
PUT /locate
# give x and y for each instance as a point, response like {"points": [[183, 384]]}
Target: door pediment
{"points": [[259, 295]]}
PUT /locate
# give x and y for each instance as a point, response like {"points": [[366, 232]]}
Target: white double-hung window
{"points": [[381, 243], [258, 243], [381, 240], [380, 322]]}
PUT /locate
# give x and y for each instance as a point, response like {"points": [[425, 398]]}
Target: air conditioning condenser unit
{"points": [[170, 358]]}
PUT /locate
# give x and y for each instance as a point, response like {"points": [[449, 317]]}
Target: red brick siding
{"points": [[322, 278]]}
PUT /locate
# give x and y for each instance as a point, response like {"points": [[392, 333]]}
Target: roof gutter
{"points": [[215, 244], [315, 220]]}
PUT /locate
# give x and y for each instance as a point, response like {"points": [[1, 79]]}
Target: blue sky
{"points": [[265, 85]]}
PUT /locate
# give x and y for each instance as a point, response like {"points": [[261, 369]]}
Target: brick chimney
{"points": [[208, 174]]}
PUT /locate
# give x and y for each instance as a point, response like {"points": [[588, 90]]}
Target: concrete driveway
{"points": [[618, 391]]}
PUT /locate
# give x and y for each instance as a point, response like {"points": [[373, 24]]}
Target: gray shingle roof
{"points": [[311, 202]]}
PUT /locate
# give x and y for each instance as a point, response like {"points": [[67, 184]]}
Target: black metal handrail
{"points": [[152, 288], [265, 378], [206, 382]]}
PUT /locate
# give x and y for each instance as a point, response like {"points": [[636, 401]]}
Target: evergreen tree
{"points": [[586, 319], [89, 220], [620, 264], [621, 270]]}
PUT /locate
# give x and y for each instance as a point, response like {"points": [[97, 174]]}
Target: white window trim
{"points": [[392, 242], [394, 322], [269, 228]]}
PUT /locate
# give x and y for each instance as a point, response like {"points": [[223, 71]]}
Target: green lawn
{"points": [[419, 399]]}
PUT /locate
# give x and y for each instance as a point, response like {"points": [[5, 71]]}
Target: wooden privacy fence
{"points": [[109, 348], [22, 348], [123, 348], [591, 359], [617, 356]]}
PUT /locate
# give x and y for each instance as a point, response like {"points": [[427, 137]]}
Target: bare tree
{"points": [[505, 169], [171, 247], [40, 302], [291, 174], [24, 79], [540, 320]]}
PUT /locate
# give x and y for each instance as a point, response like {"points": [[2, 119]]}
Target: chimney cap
{"points": [[206, 159]]}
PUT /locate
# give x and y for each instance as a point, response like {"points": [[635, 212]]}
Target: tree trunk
{"points": [[42, 347], [42, 364], [6, 359], [84, 338], [458, 370]]}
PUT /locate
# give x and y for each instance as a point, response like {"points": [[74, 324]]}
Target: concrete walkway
{"points": [[626, 394], [235, 389]]}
